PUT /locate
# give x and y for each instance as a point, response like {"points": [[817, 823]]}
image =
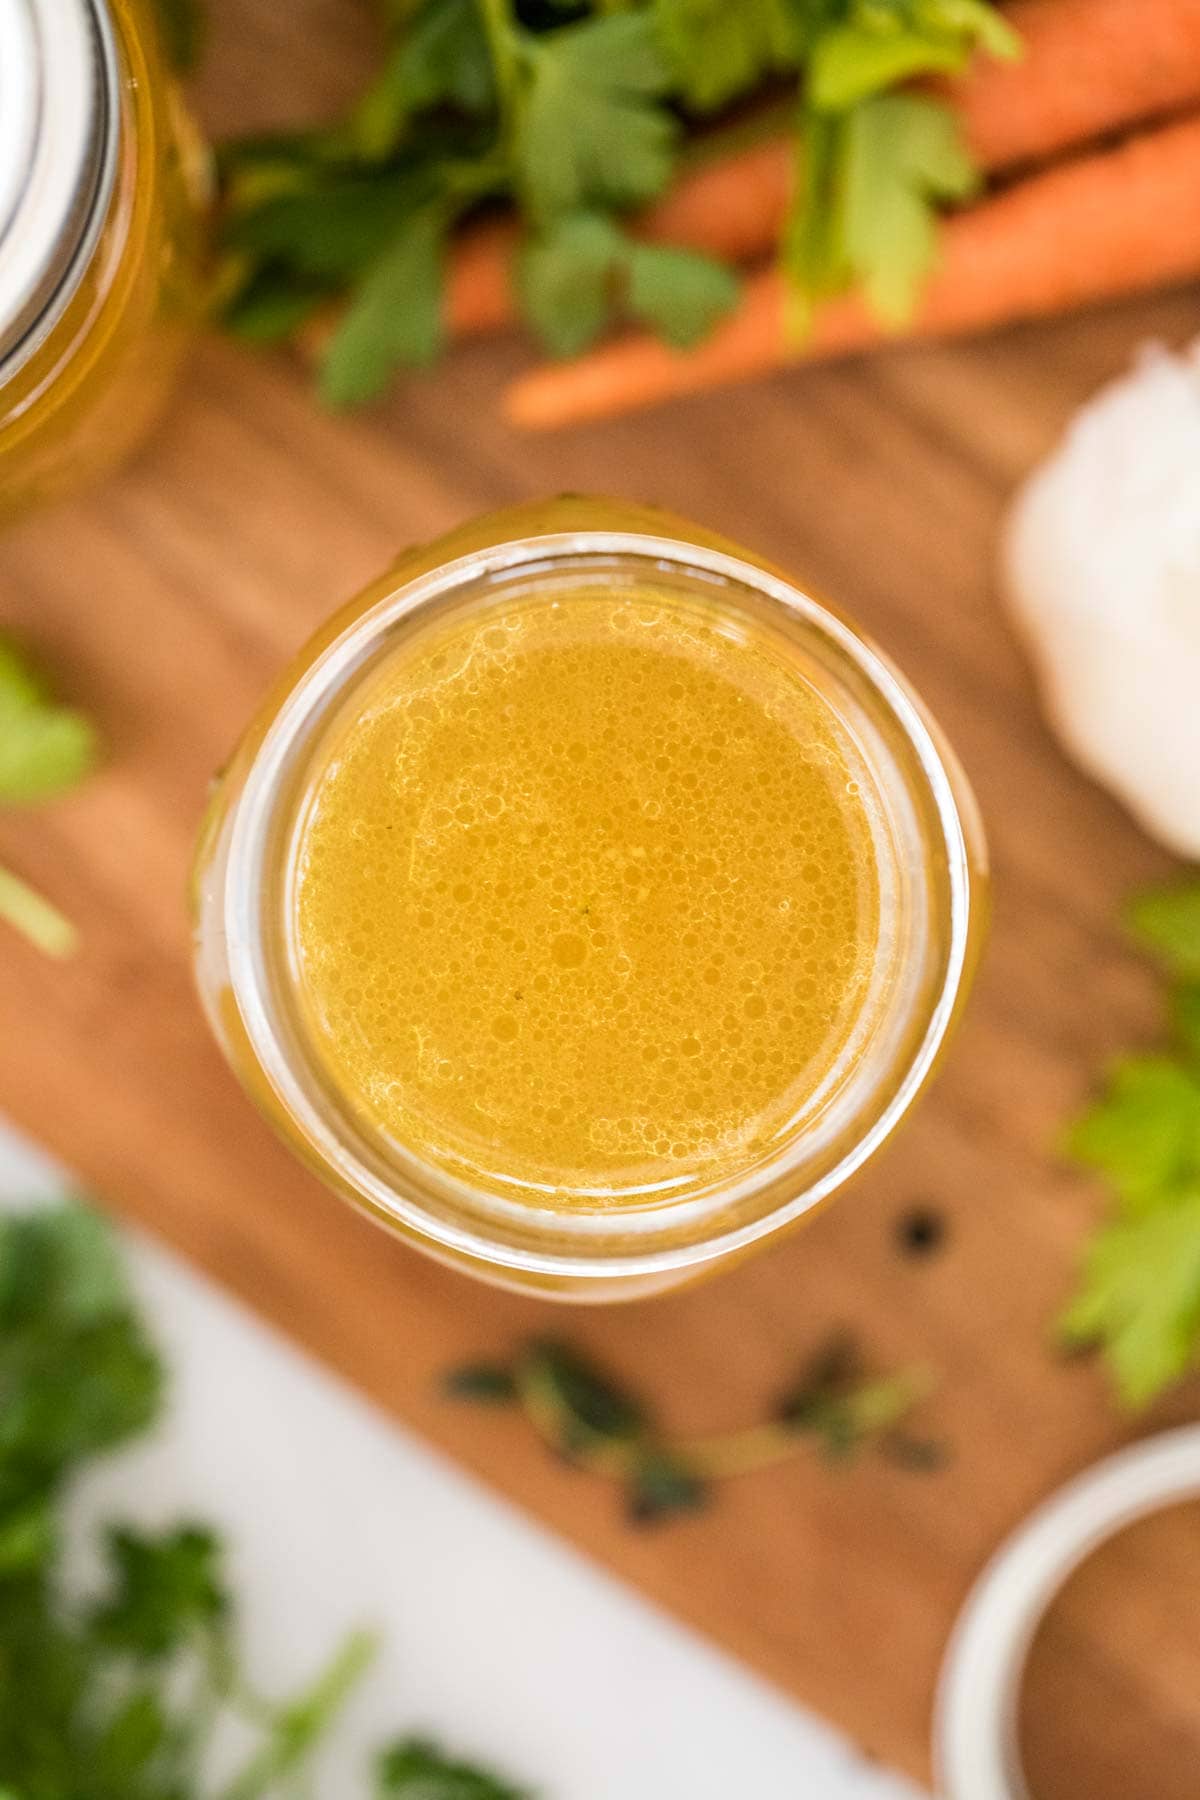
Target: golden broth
{"points": [[585, 897]]}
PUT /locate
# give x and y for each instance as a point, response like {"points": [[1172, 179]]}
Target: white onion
{"points": [[1102, 560]]}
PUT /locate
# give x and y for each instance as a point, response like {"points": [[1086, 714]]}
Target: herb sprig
{"points": [[574, 113], [595, 1424], [45, 749], [118, 1694], [1139, 1296], [418, 1769]]}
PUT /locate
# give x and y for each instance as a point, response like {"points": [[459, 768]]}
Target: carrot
{"points": [[1114, 222], [733, 207], [478, 284], [1089, 67]]}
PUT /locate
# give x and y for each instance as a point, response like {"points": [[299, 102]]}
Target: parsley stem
{"points": [[299, 1724], [470, 182], [214, 1677], [501, 35], [35, 917]]}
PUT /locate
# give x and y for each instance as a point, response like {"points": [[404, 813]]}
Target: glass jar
{"points": [[932, 908], [102, 184]]}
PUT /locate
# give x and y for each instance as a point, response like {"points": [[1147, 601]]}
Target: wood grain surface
{"points": [[165, 602]]}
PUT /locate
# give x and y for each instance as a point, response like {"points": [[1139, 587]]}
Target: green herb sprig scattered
{"points": [[594, 1424], [572, 114], [45, 749], [1139, 1296], [117, 1694]]}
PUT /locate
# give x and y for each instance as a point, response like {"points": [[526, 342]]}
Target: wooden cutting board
{"points": [[164, 604]]}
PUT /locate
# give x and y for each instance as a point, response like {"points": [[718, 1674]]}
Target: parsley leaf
{"points": [[566, 277], [1139, 1295], [334, 226], [395, 316], [680, 292], [441, 59], [875, 166], [879, 45], [1144, 1135], [166, 1588], [1185, 1017], [77, 1374], [129, 1751], [119, 1696], [273, 303], [588, 126], [1167, 922], [574, 112], [719, 50], [856, 61], [580, 272], [44, 748], [902, 156], [415, 1768], [978, 20]]}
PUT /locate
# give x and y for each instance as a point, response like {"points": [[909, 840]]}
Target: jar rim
{"points": [[617, 1242], [59, 134]]}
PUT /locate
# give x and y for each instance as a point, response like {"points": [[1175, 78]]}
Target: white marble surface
{"points": [[497, 1637]]}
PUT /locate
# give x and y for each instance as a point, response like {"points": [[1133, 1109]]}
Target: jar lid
{"points": [[59, 117]]}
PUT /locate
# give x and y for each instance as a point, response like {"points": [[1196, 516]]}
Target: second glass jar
{"points": [[103, 187]]}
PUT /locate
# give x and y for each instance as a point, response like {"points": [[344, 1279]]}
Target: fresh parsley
{"points": [[417, 1769], [588, 126], [594, 1423], [719, 52], [572, 114], [45, 749], [1139, 1296], [902, 158], [119, 1692], [875, 166], [395, 315], [583, 268]]}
